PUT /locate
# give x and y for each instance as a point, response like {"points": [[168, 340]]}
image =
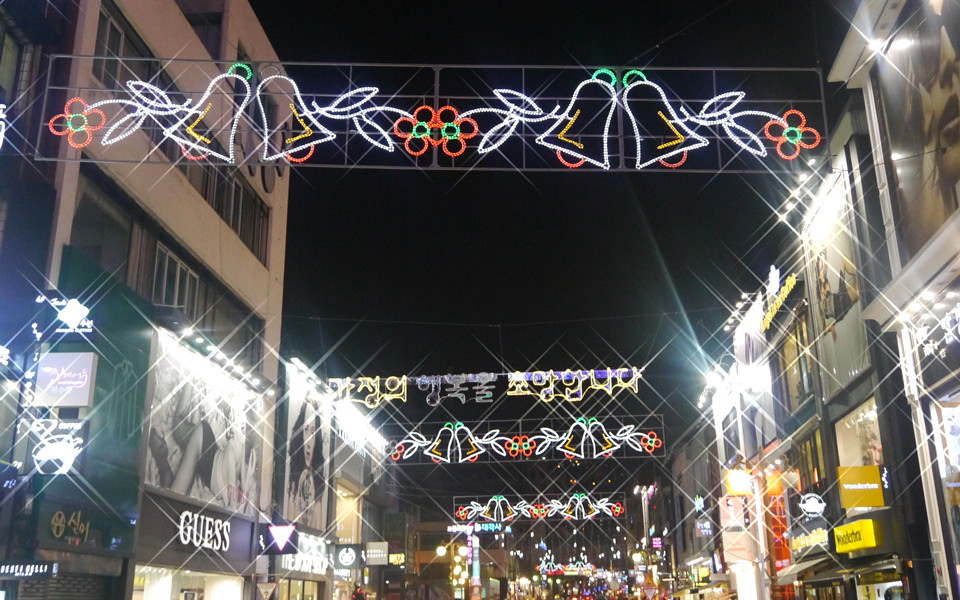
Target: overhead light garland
{"points": [[585, 438], [577, 507], [662, 134]]}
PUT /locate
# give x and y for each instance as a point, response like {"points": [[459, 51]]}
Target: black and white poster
{"points": [[308, 425], [203, 435]]}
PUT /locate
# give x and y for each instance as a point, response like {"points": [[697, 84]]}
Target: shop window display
{"points": [[160, 583], [858, 437]]}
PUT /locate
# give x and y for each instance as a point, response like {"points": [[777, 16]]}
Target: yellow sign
{"points": [[857, 535], [397, 558], [788, 286], [817, 537], [860, 487]]}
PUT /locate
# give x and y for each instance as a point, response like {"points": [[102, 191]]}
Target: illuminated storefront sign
{"points": [[704, 528], [71, 314], [29, 570], [777, 299], [57, 445], [397, 559], [66, 379], [860, 487], [858, 535], [278, 539], [201, 531], [812, 505], [347, 556], [376, 553], [805, 541], [312, 557]]}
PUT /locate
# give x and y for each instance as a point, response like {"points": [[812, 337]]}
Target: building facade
{"points": [[146, 460]]}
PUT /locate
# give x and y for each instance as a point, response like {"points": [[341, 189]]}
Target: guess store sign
{"points": [[201, 531], [182, 535]]}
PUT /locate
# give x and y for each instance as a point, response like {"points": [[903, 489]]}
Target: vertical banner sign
{"points": [[308, 421]]}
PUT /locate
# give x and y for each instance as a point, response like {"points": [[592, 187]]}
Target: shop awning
{"points": [[788, 575], [834, 574]]}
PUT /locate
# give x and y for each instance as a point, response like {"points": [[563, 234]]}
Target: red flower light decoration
{"points": [[77, 123], [792, 134], [462, 513], [538, 511], [520, 444], [652, 442], [617, 509], [447, 124], [397, 453]]}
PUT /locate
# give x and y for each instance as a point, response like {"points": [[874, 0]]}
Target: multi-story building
{"points": [[147, 462], [901, 59]]}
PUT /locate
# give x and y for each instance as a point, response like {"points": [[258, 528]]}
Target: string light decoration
{"points": [[663, 134], [792, 134], [430, 128], [569, 385], [78, 122], [548, 567], [456, 443], [569, 116], [577, 507]]}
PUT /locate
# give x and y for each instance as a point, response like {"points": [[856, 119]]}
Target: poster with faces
{"points": [[307, 470]]}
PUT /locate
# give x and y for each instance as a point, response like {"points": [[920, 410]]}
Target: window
{"points": [[208, 29], [239, 206], [117, 40], [806, 458], [10, 53], [101, 229], [793, 382], [174, 284]]}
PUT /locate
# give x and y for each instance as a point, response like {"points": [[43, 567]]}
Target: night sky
{"points": [[429, 272]]}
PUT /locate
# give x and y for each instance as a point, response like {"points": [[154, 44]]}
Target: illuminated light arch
{"points": [[576, 507], [671, 130], [456, 443]]}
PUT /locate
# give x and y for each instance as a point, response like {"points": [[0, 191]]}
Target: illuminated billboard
{"points": [[203, 436]]}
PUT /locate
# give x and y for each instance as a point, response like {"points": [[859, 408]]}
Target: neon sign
{"points": [[585, 438], [664, 131], [777, 299], [546, 386], [58, 444], [65, 379], [576, 507]]}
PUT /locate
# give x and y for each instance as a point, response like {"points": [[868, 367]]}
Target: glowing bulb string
{"points": [[567, 131]]}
